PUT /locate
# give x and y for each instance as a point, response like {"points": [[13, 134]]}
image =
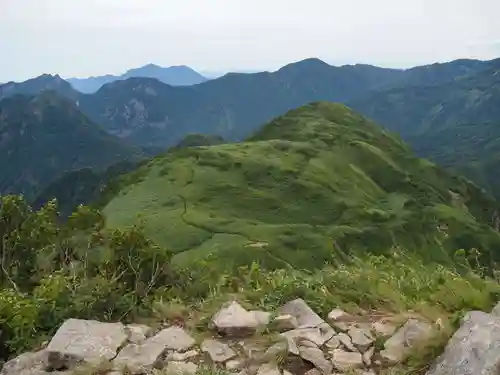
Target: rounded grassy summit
{"points": [[312, 185]]}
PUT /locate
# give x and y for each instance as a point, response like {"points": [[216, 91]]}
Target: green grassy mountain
{"points": [[312, 185], [42, 137], [235, 105]]}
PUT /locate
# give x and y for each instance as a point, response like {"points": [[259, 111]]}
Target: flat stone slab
{"points": [[85, 340]]}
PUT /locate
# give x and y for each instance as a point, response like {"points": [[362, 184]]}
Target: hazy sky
{"points": [[93, 37]]}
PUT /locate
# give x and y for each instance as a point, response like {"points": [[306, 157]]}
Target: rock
{"points": [[32, 363], [317, 358], [346, 361], [235, 364], [138, 332], [268, 369], [277, 350], [262, 317], [305, 316], [285, 322], [181, 357], [318, 335], [338, 315], [346, 341], [367, 356], [496, 310], [84, 341], [234, 321], [252, 349], [218, 351], [139, 358], [174, 338], [333, 343], [341, 326], [181, 368], [361, 339], [383, 329], [148, 354], [473, 349], [397, 347], [313, 371]]}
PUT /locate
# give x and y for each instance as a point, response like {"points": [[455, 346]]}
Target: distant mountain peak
{"points": [[311, 62], [180, 75], [33, 86]]}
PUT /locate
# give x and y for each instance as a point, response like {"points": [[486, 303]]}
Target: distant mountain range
{"points": [[422, 104], [173, 75], [145, 111]]}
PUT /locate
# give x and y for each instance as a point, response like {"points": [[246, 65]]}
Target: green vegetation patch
{"points": [[314, 185]]}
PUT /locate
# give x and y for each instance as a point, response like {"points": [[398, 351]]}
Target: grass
{"points": [[313, 185]]}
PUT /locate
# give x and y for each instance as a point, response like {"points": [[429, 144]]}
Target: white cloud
{"points": [[78, 38]]}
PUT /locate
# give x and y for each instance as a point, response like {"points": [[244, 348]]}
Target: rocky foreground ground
{"points": [[293, 340]]}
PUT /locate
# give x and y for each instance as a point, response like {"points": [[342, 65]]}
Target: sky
{"points": [[79, 38]]}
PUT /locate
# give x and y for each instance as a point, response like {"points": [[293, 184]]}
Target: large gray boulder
{"points": [[474, 349], [87, 341]]}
